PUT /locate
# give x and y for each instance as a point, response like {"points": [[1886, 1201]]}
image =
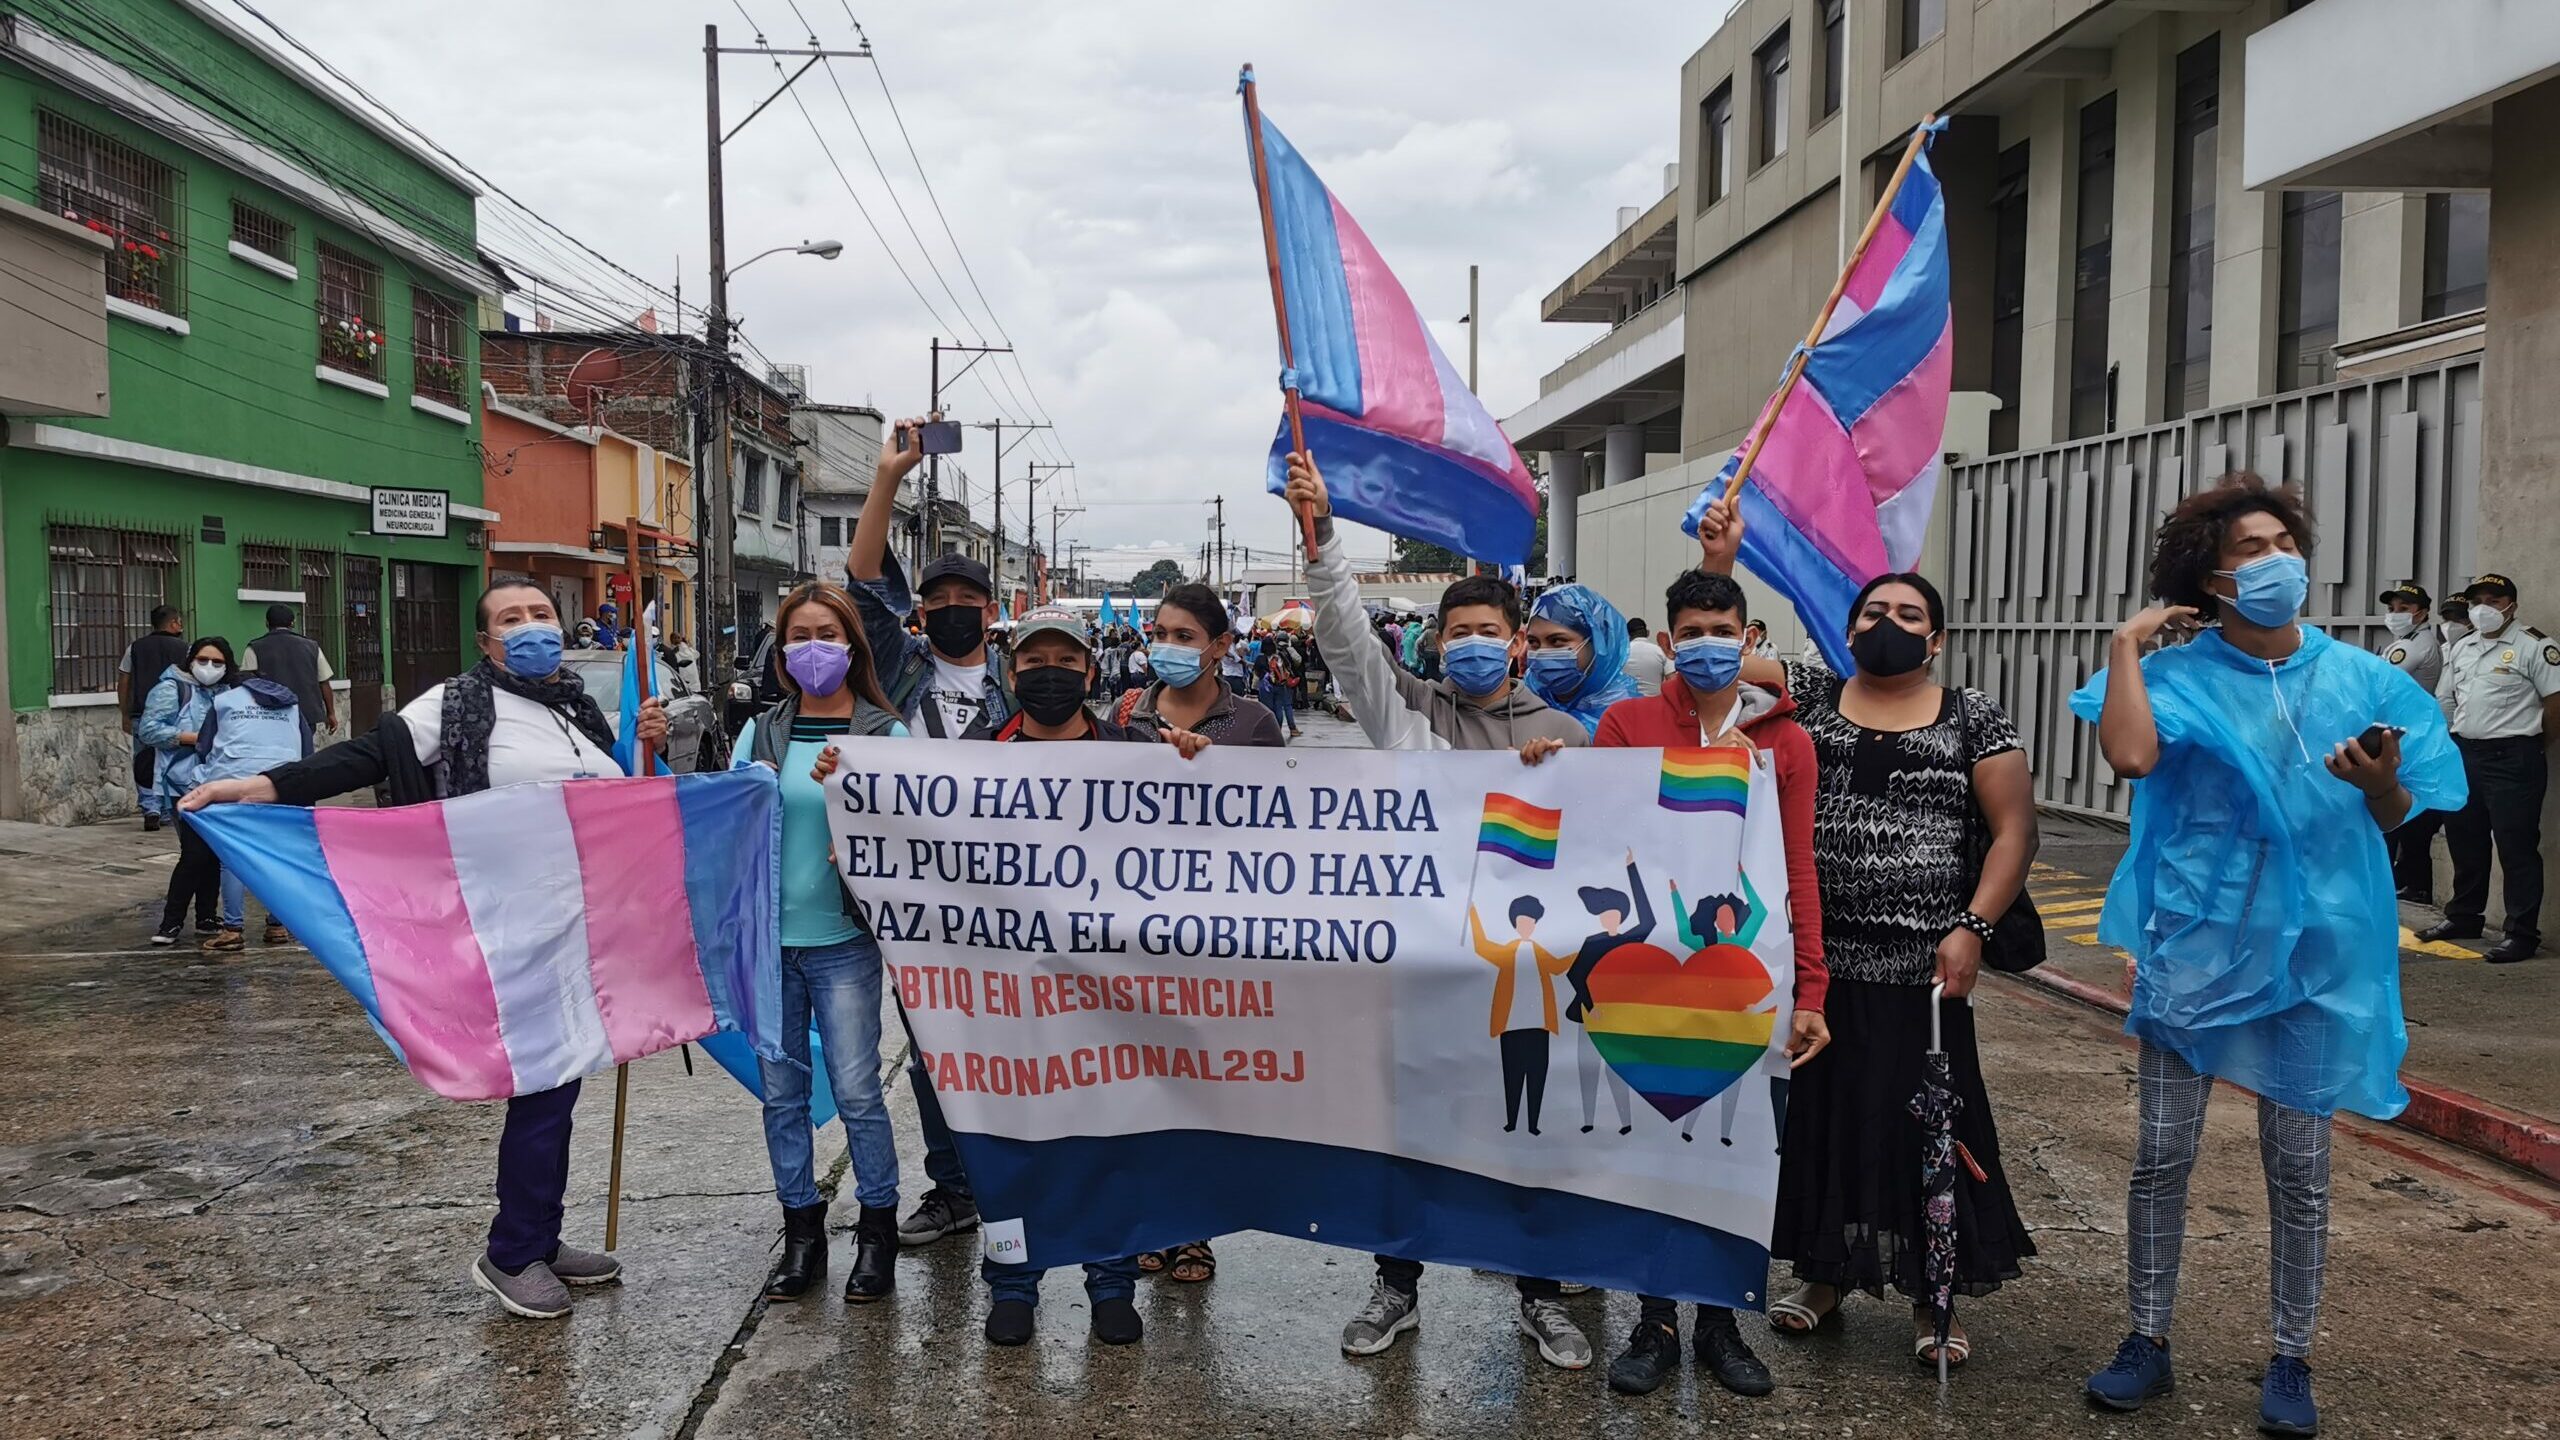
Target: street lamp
{"points": [[823, 249]]}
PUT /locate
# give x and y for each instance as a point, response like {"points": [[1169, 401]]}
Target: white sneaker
{"points": [[1389, 1313], [1560, 1341]]}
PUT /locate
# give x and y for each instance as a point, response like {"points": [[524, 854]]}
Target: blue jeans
{"points": [[1103, 1280], [839, 986], [1282, 702], [941, 1157], [235, 900]]}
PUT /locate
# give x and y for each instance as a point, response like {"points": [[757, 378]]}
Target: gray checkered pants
{"points": [[2293, 1145]]}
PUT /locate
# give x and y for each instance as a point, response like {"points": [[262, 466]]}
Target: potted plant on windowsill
{"points": [[351, 345]]}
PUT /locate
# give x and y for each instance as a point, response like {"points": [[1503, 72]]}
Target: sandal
{"points": [[1192, 1264], [1792, 1316], [1924, 1348], [1151, 1261]]}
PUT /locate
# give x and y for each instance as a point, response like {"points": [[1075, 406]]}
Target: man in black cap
{"points": [[2417, 651], [2501, 689]]}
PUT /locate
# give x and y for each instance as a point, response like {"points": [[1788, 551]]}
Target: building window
{"points": [[2093, 246], [2198, 129], [257, 230], [103, 585], [1769, 69], [350, 313], [320, 615], [751, 486], [2008, 294], [1917, 23], [90, 179], [828, 534], [1835, 53], [2307, 302], [268, 568], [1715, 144], [2457, 263], [436, 348]]}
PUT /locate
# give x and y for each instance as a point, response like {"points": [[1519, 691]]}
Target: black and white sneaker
{"points": [[1390, 1313], [940, 1213], [165, 935]]}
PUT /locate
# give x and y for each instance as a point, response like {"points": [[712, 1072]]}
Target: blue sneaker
{"points": [[2140, 1372], [2284, 1399]]}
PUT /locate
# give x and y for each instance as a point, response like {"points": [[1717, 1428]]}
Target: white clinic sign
{"points": [[410, 512]]}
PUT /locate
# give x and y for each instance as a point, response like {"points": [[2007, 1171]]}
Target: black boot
{"points": [[804, 1252], [875, 1255]]}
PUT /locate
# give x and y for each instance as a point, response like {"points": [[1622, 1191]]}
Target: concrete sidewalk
{"points": [[2484, 1058]]}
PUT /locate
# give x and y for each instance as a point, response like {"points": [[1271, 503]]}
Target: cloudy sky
{"points": [[1090, 161]]}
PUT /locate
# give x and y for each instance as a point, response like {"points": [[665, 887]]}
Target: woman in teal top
{"points": [[831, 967]]}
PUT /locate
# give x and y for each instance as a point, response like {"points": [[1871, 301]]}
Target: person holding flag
{"points": [[516, 716]]}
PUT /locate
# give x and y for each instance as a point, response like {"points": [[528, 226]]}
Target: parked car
{"points": [[689, 714]]}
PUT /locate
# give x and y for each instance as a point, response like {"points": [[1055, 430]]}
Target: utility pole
{"points": [[1221, 503], [1034, 477], [933, 463], [1475, 327], [998, 427], [716, 520]]}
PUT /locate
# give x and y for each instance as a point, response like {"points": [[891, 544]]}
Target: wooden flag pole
{"points": [[1839, 287], [640, 639], [1279, 291]]}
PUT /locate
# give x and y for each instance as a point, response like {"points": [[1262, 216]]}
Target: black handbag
{"points": [[2017, 934]]}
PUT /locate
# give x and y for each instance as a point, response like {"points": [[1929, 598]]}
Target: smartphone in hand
{"points": [[942, 437], [2375, 735]]}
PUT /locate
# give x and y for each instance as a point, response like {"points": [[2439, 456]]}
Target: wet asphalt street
{"points": [[225, 1211]]}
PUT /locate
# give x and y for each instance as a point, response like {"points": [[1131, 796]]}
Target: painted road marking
{"points": [[2076, 907]]}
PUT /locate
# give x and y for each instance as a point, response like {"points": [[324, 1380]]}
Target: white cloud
{"points": [[1091, 160]]}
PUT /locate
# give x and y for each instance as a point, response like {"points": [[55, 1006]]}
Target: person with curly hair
{"points": [[2268, 761]]}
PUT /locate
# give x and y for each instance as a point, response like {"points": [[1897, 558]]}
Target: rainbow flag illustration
{"points": [[1713, 781], [1518, 830], [1679, 1032]]}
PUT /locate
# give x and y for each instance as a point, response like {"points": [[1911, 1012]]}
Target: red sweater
{"points": [[1671, 719]]}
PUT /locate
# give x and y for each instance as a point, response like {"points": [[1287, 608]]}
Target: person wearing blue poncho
{"points": [[1578, 654], [2256, 899]]}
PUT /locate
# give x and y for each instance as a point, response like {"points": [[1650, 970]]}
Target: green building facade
{"points": [[292, 291]]}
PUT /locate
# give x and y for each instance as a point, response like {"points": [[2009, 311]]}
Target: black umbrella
{"points": [[1935, 1107]]}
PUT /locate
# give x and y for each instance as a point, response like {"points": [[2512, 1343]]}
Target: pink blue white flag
{"points": [[1841, 490], [515, 940], [1403, 443]]}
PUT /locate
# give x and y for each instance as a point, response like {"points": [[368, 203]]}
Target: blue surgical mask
{"points": [[1707, 663], [2271, 588], [1477, 665], [1176, 665], [1555, 675], [533, 650]]}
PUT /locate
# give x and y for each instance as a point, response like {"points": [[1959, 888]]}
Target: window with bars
{"points": [[320, 617], [436, 348], [751, 487], [350, 313], [94, 180], [269, 568], [257, 230], [103, 584]]}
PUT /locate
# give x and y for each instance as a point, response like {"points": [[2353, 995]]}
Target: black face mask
{"points": [[1050, 694], [1885, 648], [956, 630]]}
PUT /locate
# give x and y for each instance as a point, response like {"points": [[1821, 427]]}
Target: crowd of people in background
{"points": [[1909, 827]]}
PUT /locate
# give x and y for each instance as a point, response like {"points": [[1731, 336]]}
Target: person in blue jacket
{"points": [[1578, 654], [2268, 761], [251, 725], [172, 713]]}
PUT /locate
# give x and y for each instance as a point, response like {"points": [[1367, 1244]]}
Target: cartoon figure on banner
{"points": [[1522, 1023], [1681, 1031], [1732, 920], [1609, 907]]}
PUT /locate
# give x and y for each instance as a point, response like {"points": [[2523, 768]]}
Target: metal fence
{"points": [[2048, 549]]}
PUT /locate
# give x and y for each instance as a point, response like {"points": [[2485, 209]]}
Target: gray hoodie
{"points": [[1398, 710]]}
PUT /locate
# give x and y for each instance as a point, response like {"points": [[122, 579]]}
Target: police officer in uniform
{"points": [[2501, 685], [2413, 647]]}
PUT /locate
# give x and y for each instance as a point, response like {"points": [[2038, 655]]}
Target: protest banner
{"points": [[1162, 999]]}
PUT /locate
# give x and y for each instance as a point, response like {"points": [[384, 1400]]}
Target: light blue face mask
{"points": [[1707, 663], [533, 650], [1477, 665], [1555, 676], [1175, 665], [2271, 588]]}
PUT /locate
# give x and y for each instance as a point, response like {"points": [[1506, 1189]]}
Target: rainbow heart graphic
{"points": [[1679, 1031]]}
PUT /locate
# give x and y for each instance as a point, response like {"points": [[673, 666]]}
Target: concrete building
{"points": [[570, 497], [2139, 304], [839, 454]]}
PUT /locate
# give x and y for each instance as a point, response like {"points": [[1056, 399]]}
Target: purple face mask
{"points": [[819, 665]]}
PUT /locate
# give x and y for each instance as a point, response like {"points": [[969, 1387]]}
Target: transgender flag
{"points": [[521, 938], [1842, 488], [1402, 442]]}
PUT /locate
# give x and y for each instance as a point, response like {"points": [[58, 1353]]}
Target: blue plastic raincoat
{"points": [[1582, 610], [2256, 897]]}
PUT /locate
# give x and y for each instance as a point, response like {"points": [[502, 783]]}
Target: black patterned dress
{"points": [[1888, 843]]}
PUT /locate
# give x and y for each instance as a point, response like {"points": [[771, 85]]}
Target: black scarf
{"points": [[470, 713]]}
